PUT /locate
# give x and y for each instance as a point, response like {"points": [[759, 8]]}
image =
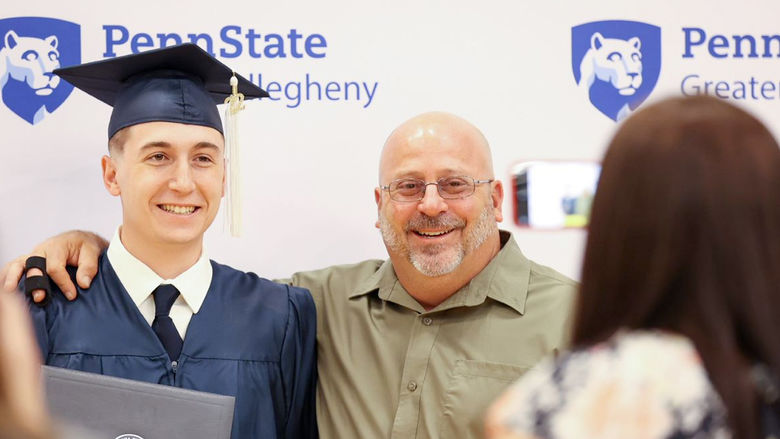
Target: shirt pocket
{"points": [[473, 386]]}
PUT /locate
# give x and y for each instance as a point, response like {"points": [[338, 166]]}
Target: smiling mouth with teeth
{"points": [[432, 234], [178, 210]]}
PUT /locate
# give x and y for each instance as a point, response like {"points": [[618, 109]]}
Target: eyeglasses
{"points": [[450, 188]]}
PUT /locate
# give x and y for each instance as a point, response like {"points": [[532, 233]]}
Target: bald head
{"points": [[444, 136]]}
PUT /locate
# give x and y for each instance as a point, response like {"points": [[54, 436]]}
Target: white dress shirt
{"points": [[140, 281]]}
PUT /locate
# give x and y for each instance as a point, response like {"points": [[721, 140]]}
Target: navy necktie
{"points": [[163, 326]]}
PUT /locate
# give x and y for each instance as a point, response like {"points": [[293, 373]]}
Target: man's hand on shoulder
{"points": [[70, 248]]}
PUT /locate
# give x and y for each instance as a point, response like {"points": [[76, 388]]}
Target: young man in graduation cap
{"points": [[181, 319]]}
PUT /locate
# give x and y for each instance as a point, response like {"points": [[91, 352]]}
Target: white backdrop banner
{"points": [[543, 80]]}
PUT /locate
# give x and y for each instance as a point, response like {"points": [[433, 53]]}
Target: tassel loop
{"points": [[235, 102]]}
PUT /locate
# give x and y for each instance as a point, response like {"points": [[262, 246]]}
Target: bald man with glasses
{"points": [[418, 345]]}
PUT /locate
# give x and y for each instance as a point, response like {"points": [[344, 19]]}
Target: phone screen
{"points": [[554, 194]]}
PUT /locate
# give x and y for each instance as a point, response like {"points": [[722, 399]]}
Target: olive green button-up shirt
{"points": [[390, 369]]}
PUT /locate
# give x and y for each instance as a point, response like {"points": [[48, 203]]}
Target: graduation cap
{"points": [[181, 84]]}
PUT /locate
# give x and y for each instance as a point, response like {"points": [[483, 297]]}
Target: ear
{"points": [[497, 195], [635, 42], [596, 41], [52, 41], [11, 39], [109, 175], [378, 199]]}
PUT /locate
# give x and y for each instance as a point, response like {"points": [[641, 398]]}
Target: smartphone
{"points": [[554, 194]]}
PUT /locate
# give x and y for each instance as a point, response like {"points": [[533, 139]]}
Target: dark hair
{"points": [[685, 237]]}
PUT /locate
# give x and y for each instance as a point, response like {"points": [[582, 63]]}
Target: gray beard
{"points": [[441, 259]]}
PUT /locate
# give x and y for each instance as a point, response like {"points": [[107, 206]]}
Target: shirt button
{"points": [[174, 365], [427, 321], [412, 386]]}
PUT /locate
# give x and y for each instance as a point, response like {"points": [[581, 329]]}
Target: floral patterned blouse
{"points": [[638, 385]]}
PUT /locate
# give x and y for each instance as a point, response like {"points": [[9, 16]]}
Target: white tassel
{"points": [[234, 104]]}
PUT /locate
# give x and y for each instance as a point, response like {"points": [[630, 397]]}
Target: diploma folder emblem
{"points": [[116, 407]]}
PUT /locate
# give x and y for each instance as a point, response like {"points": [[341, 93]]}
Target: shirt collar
{"points": [[140, 281], [505, 279]]}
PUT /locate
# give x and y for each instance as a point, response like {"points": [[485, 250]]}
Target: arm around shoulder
{"points": [[76, 248]]}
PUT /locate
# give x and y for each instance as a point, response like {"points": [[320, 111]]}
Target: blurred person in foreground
{"points": [[676, 326], [23, 413]]}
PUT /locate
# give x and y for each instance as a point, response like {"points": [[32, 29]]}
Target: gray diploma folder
{"points": [[116, 407]]}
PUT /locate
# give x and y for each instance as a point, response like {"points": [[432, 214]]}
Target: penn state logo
{"points": [[616, 64], [30, 49]]}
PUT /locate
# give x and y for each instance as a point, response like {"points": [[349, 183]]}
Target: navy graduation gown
{"points": [[252, 339]]}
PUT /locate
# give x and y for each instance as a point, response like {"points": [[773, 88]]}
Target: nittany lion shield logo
{"points": [[616, 64], [30, 49]]}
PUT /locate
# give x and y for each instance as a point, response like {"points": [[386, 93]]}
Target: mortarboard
{"points": [[174, 84], [181, 84]]}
